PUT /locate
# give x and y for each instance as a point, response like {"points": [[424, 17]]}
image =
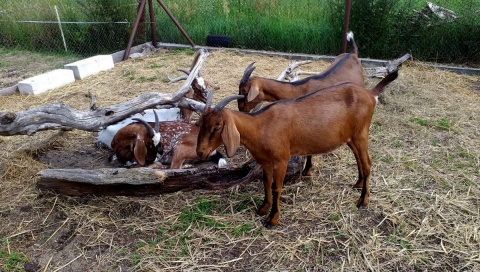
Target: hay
{"points": [[423, 213]]}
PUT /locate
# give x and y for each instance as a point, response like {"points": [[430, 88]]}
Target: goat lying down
{"points": [[315, 123], [345, 68], [140, 144]]}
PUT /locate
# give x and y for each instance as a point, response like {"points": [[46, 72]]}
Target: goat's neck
{"points": [[274, 90]]}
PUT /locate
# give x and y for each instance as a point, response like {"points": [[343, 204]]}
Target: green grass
{"points": [[383, 28], [12, 261]]}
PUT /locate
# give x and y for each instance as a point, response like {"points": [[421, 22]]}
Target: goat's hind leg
{"points": [[364, 164], [307, 170], [361, 178]]}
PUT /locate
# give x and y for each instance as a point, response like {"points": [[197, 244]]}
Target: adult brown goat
{"points": [[315, 123], [345, 68]]}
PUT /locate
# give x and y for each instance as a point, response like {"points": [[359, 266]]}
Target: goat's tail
{"points": [[218, 158], [385, 81], [351, 41]]}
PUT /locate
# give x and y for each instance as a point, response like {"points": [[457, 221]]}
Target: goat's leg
{"points": [[267, 184], [279, 175], [307, 170], [361, 178], [365, 162]]}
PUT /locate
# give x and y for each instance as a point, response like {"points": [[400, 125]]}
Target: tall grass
{"points": [[383, 28]]}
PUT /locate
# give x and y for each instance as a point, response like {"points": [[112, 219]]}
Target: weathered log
{"points": [[57, 115], [147, 181], [389, 67]]}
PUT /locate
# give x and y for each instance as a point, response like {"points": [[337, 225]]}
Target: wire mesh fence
{"points": [[442, 31]]}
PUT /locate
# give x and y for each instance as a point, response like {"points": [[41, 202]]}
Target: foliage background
{"points": [[383, 29]]}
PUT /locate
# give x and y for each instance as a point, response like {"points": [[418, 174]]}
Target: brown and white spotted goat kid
{"points": [[345, 68], [315, 123], [180, 140], [138, 144]]}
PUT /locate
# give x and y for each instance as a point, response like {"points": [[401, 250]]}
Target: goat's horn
{"points": [[150, 130], [247, 73], [157, 123], [227, 100], [209, 98]]}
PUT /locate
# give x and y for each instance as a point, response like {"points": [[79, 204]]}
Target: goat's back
{"points": [[321, 121]]}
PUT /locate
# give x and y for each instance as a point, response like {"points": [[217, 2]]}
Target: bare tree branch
{"points": [[57, 115]]}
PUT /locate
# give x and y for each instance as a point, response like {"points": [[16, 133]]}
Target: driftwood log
{"points": [[147, 181], [58, 116]]}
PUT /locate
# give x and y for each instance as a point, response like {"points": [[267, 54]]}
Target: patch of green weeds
{"points": [[13, 261], [419, 121], [334, 217], [199, 214], [398, 238], [239, 231], [397, 143], [444, 124], [155, 65], [147, 79]]}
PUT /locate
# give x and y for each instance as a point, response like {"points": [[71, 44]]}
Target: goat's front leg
{"points": [[280, 170], [267, 184]]}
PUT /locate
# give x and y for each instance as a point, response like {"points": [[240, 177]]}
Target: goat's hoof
{"points": [[362, 204], [262, 211], [358, 185], [307, 173], [270, 226]]}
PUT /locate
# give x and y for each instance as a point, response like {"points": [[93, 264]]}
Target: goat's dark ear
{"points": [[140, 151], [230, 138]]}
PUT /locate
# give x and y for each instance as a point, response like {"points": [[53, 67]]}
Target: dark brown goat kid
{"points": [[345, 68], [315, 123], [138, 143]]}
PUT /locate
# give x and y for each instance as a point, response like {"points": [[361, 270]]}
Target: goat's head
{"points": [[216, 127], [150, 145], [250, 90]]}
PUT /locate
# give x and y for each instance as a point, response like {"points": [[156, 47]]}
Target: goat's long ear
{"points": [[230, 137], [140, 151], [252, 93]]}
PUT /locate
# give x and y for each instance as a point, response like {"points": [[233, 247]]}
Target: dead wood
{"points": [[147, 181], [388, 68], [57, 115]]}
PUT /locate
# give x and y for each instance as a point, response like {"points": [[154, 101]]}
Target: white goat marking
{"points": [[349, 36], [201, 82]]}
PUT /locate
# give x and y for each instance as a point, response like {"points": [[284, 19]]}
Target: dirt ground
{"points": [[423, 213]]}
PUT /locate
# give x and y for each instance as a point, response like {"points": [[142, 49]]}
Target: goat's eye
{"points": [[217, 128]]}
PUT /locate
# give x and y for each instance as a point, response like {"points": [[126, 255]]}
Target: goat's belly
{"points": [[319, 145]]}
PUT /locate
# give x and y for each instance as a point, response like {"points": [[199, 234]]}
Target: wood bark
{"points": [[147, 181]]}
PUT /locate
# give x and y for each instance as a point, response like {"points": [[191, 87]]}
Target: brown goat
{"points": [[345, 68], [315, 123], [138, 143]]}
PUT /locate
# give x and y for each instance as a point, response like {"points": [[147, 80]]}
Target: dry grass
{"points": [[423, 213]]}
